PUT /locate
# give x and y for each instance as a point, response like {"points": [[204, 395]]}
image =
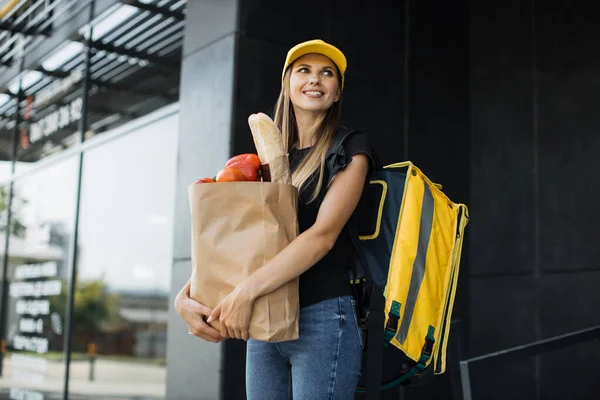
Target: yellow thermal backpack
{"points": [[408, 238]]}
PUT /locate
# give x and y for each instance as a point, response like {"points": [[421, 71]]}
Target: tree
{"points": [[16, 227], [93, 306]]}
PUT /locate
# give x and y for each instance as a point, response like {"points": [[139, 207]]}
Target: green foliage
{"points": [[16, 227], [93, 306]]}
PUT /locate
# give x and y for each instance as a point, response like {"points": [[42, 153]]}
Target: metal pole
{"points": [[92, 358], [8, 7], [5, 278], [83, 126], [456, 351], [406, 78], [465, 380], [401, 393]]}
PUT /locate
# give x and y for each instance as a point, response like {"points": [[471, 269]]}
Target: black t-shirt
{"points": [[328, 278]]}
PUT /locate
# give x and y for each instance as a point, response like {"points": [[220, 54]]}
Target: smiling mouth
{"points": [[313, 93]]}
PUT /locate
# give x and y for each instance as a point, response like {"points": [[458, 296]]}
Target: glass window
{"points": [[7, 133], [51, 113], [124, 263], [5, 170], [40, 237], [4, 193]]}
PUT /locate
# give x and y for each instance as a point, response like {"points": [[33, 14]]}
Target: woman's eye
{"points": [[303, 70], [328, 72]]}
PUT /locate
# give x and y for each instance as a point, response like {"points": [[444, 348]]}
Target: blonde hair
{"points": [[323, 134]]}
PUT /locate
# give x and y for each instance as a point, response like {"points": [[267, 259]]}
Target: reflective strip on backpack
{"points": [[418, 271]]}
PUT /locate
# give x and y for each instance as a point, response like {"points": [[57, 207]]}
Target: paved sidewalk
{"points": [[113, 380]]}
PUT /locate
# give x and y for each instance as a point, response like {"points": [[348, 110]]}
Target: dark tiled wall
{"points": [[534, 253], [406, 85], [502, 181], [568, 95], [371, 36]]}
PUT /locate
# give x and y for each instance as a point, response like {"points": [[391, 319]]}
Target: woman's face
{"points": [[314, 83]]}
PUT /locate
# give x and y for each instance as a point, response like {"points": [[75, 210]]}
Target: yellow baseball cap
{"points": [[320, 47]]}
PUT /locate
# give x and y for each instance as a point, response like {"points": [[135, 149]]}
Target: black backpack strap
{"points": [[375, 334], [336, 160], [375, 345]]}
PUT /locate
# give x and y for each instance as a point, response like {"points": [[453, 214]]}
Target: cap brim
{"points": [[317, 47]]}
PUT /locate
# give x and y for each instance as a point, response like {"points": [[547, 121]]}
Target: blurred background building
{"points": [[109, 109]]}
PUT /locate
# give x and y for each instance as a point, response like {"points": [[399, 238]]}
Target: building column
{"points": [[205, 121]]}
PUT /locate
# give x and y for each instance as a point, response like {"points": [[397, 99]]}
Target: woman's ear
{"points": [[337, 96]]}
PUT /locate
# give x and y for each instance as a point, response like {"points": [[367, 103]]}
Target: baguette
{"points": [[267, 137], [269, 146]]}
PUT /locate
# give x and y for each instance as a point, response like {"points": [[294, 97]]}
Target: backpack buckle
{"points": [[429, 342], [392, 324]]}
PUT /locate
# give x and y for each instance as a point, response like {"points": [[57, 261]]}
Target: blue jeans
{"points": [[323, 363]]}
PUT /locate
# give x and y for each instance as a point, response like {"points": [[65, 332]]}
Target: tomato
{"points": [[248, 158], [248, 163], [205, 180], [248, 170], [230, 174]]}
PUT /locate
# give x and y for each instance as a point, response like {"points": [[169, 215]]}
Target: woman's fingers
{"points": [[233, 322], [215, 314], [224, 331], [202, 309], [236, 333], [231, 333], [193, 314], [204, 331]]}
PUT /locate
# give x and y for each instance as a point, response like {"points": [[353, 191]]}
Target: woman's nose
{"points": [[314, 80]]}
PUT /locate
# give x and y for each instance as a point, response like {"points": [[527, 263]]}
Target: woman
{"points": [[324, 363]]}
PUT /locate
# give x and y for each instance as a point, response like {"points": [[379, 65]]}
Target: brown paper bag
{"points": [[277, 170], [237, 227]]}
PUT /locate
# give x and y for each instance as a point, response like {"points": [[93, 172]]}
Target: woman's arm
{"points": [[339, 203], [312, 245], [193, 314]]}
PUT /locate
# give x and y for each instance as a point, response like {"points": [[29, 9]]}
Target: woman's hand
{"points": [[193, 314], [234, 313]]}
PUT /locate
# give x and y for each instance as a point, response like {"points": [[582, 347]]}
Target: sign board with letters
{"points": [[31, 291], [56, 120]]}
